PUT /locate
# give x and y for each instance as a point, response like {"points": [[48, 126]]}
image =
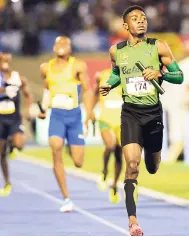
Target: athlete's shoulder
{"points": [[152, 41], [113, 49], [44, 65], [44, 68], [80, 64], [163, 48], [121, 44], [162, 43], [16, 78]]}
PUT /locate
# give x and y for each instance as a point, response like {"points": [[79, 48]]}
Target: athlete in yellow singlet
{"points": [[109, 122], [65, 77]]}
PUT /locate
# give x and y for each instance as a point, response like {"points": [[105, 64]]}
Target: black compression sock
{"points": [[131, 193]]}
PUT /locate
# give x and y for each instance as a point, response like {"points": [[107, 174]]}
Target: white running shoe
{"points": [[67, 205]]}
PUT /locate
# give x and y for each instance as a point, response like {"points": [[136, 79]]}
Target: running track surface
{"points": [[33, 209]]}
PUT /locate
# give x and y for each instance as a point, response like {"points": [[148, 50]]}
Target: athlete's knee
{"points": [[78, 160], [18, 140], [56, 149], [133, 165], [19, 146], [110, 147], [18, 143], [78, 164], [153, 168], [56, 145], [152, 162], [132, 169]]}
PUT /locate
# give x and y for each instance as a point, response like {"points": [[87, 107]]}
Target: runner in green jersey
{"points": [[141, 118]]}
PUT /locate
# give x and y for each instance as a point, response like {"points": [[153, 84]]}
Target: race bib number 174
{"points": [[137, 86]]}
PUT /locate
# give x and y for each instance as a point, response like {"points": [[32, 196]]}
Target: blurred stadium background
{"points": [[28, 29]]}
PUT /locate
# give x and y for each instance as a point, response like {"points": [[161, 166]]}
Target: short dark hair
{"points": [[130, 9]]}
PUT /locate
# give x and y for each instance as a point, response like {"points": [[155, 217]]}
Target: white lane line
{"points": [[93, 177], [77, 208]]}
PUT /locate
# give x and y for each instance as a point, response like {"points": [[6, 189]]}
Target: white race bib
{"points": [[137, 86], [11, 91], [62, 101], [7, 107]]}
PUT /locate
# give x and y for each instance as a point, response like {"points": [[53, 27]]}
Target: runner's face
{"points": [[62, 48], [136, 23], [5, 66], [5, 62]]}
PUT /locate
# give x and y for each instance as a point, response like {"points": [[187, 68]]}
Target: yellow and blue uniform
{"points": [[65, 93], [110, 106]]}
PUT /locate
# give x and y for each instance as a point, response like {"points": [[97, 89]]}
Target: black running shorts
{"points": [[9, 127], [142, 125]]}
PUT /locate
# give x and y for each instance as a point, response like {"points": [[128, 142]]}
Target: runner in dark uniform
{"points": [[141, 118], [11, 127]]}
